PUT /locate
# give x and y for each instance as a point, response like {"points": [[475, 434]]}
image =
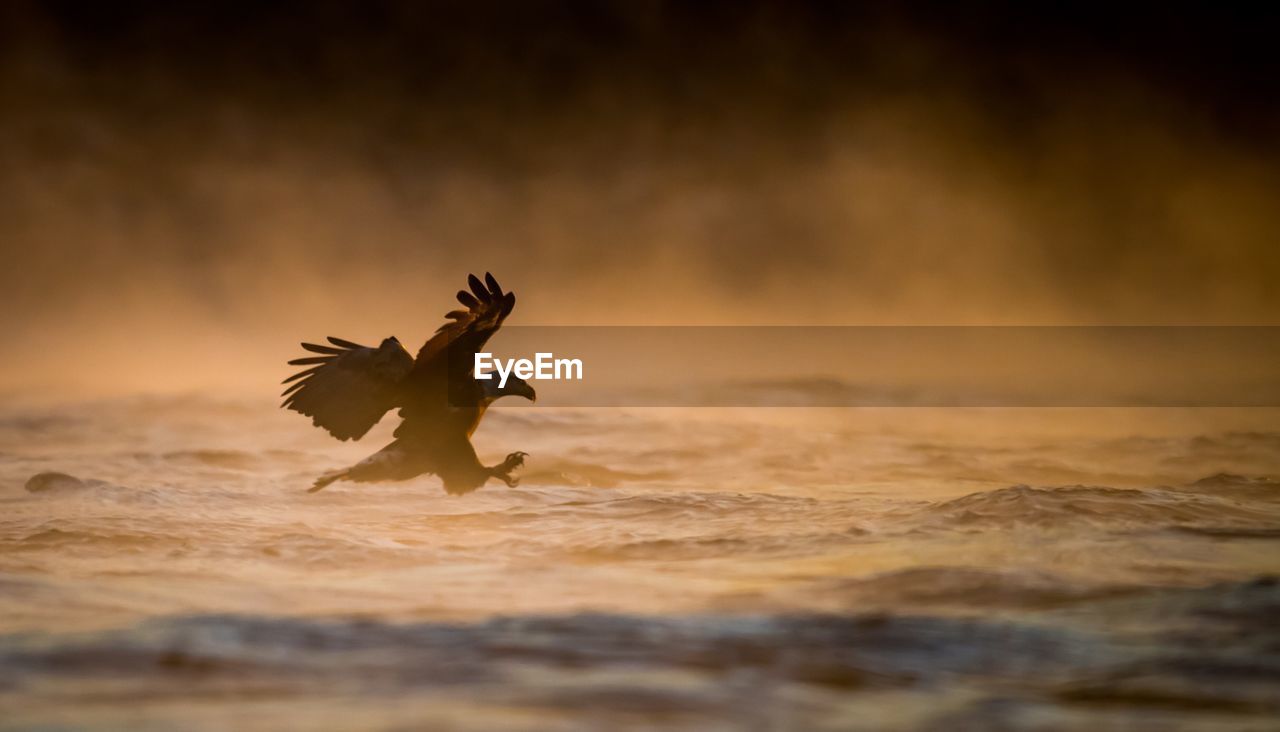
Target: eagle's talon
{"points": [[503, 472]]}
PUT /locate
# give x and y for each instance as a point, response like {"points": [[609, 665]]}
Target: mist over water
{"points": [[175, 206]]}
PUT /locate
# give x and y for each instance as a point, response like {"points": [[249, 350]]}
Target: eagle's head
{"points": [[515, 386]]}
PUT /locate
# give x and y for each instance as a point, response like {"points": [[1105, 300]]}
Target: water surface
{"points": [[657, 568]]}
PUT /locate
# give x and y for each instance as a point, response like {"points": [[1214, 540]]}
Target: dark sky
{"points": [[236, 174], [781, 62]]}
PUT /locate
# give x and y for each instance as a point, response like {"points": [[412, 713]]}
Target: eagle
{"points": [[349, 387]]}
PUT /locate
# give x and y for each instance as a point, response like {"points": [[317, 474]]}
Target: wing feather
{"points": [[479, 290], [301, 374], [329, 350], [455, 343], [345, 344], [352, 388], [492, 285]]}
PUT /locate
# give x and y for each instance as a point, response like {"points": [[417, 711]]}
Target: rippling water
{"points": [[689, 569]]}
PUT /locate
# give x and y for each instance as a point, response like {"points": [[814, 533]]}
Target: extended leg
{"points": [[462, 472], [388, 464]]}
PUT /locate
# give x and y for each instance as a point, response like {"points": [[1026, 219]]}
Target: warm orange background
{"points": [[183, 196]]}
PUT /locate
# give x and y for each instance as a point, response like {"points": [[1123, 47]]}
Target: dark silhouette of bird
{"points": [[350, 387]]}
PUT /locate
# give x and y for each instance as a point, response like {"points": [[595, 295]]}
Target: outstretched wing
{"points": [[349, 386], [453, 348]]}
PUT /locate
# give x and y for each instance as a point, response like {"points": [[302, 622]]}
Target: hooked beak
{"points": [[527, 392]]}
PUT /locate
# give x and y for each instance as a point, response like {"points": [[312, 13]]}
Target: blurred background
{"points": [[188, 189]]}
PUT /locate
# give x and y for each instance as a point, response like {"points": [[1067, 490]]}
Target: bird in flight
{"points": [[349, 387]]}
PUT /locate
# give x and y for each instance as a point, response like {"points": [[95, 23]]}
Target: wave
{"points": [[719, 546], [579, 474], [55, 482], [1237, 485], [804, 647], [967, 587], [38, 424], [701, 664], [313, 551], [233, 459], [1221, 532], [1077, 505], [60, 486], [112, 535], [685, 504]]}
